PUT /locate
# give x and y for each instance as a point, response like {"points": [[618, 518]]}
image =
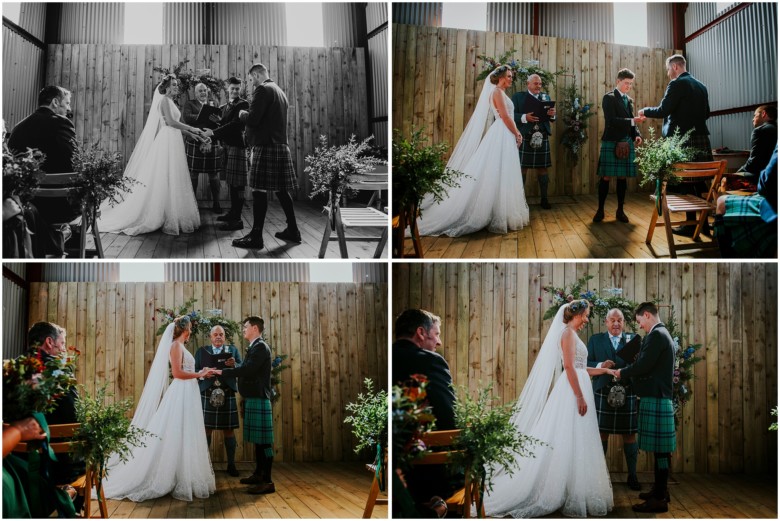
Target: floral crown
{"points": [[579, 305]]}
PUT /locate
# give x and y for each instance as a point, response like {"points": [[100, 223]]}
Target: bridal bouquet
{"points": [[575, 114]]}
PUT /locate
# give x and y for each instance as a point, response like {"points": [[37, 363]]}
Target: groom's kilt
{"points": [[535, 157], [236, 167], [198, 161], [272, 168], [225, 417], [616, 421], [656, 425], [258, 421], [611, 166]]}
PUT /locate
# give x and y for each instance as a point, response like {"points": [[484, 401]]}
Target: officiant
{"points": [[203, 157], [218, 394], [606, 350]]}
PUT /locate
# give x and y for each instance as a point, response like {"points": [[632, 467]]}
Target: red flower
{"points": [[540, 299]]}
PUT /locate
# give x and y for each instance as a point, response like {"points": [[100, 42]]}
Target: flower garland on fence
{"points": [[684, 360], [521, 69], [601, 303], [575, 114], [188, 78]]}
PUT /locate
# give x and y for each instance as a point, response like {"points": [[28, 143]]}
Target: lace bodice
{"points": [[175, 112], [580, 354], [510, 107], [188, 362]]}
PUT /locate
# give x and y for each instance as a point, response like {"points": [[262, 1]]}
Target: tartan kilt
{"points": [[701, 142], [198, 162], [535, 157], [258, 421], [611, 166], [235, 166], [272, 168], [750, 235], [616, 421], [656, 425], [226, 417]]}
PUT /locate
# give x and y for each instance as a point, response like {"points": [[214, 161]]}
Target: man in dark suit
{"points": [[271, 168], [236, 164], [49, 130], [651, 376], [254, 384], [604, 351], [218, 394], [763, 140], [685, 106], [535, 150]]}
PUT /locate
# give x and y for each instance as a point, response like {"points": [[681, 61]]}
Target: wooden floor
{"points": [[567, 231], [210, 243], [303, 490]]}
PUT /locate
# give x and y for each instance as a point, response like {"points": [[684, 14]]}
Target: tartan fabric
{"points": [[535, 157], [272, 168], [701, 142], [236, 166], [616, 421], [656, 425], [198, 162], [226, 417], [258, 421], [750, 236], [610, 166]]}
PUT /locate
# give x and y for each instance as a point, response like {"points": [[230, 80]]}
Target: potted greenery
{"points": [[656, 158], [22, 173], [369, 425], [332, 168]]}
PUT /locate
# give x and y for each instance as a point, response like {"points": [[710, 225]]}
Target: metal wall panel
{"points": [[19, 268], [579, 21], [238, 272], [247, 23], [183, 23], [377, 62], [379, 130], [15, 304], [32, 18], [369, 272], [81, 272], [659, 25], [102, 22], [376, 15], [344, 24], [731, 130], [699, 14], [189, 272], [24, 72], [510, 17], [418, 13]]}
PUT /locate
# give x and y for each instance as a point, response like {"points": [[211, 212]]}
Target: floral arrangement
{"points": [[188, 78], [331, 168], [575, 114], [32, 385], [600, 302], [100, 176], [521, 69], [684, 360], [22, 173], [656, 157], [412, 417], [369, 424]]}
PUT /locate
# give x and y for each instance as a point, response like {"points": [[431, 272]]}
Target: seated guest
{"points": [[763, 140], [747, 226], [414, 352]]}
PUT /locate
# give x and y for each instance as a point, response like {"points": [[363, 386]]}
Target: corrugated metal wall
{"points": [[344, 24], [510, 17], [417, 13], [579, 21], [228, 23], [102, 22], [15, 305], [238, 272], [376, 17], [183, 23], [32, 18], [369, 272], [659, 25], [24, 72], [731, 130], [81, 272]]}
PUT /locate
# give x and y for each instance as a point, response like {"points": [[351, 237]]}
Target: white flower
{"points": [[57, 372]]}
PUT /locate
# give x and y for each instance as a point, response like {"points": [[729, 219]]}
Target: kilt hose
{"points": [[258, 421], [272, 169], [611, 166], [656, 425], [226, 417], [744, 228], [235, 167], [198, 161], [535, 157], [616, 421]]}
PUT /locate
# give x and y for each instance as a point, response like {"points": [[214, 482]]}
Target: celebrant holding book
{"points": [[203, 157], [218, 394]]}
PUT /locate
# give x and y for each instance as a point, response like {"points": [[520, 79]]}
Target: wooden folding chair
{"points": [[57, 185], [84, 483], [677, 203], [373, 182], [401, 222], [463, 499], [373, 492], [339, 219]]}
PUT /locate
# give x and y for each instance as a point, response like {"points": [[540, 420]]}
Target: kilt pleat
{"points": [[198, 161], [750, 234], [656, 425], [701, 143], [258, 421], [611, 166], [272, 168], [236, 166], [535, 157], [226, 417], [616, 421]]}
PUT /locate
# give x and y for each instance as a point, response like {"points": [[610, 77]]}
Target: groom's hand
{"points": [[617, 374], [230, 362], [608, 364]]}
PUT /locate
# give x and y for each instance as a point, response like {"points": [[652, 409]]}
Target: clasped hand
{"points": [[210, 372]]}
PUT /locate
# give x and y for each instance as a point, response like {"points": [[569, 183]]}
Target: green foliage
{"points": [[332, 168], [419, 170], [105, 430], [521, 69], [600, 302], [773, 426], [655, 157], [22, 173], [188, 78], [202, 322], [412, 417], [369, 417], [100, 176], [575, 113], [684, 360]]}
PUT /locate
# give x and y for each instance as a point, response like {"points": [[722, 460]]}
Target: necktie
{"points": [[216, 350], [625, 101], [615, 342]]}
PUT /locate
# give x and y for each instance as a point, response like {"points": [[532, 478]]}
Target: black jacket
{"points": [[653, 370], [267, 120], [600, 350], [617, 118], [231, 129], [526, 129], [763, 141], [203, 358], [686, 105], [254, 375]]}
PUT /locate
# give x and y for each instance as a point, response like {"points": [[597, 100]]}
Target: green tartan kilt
{"points": [[750, 235], [611, 166], [535, 157], [258, 421], [656, 425], [616, 421]]}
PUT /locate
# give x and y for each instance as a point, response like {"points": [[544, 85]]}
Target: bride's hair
{"points": [[499, 73], [165, 83], [181, 324], [574, 308]]}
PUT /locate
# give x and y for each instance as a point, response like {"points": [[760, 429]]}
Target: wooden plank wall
{"points": [[492, 331], [113, 86], [434, 85], [335, 336]]}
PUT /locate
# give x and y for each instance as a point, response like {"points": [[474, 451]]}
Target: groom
{"points": [[652, 381]]}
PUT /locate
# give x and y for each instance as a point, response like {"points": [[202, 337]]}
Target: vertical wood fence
{"points": [[435, 87], [334, 334], [492, 331], [113, 85]]}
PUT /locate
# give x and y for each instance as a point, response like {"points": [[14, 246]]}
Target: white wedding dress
{"points": [[492, 196], [176, 461], [165, 199], [571, 473]]}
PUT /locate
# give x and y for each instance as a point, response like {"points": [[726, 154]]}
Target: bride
{"points": [[175, 459], [164, 199], [491, 194], [571, 472]]}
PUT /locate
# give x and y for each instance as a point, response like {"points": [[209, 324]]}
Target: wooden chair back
{"points": [[56, 185], [695, 171]]}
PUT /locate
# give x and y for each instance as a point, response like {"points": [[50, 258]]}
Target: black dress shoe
{"points": [[633, 483], [254, 479], [230, 216], [232, 471], [546, 204], [650, 494], [251, 241], [289, 235], [599, 216], [232, 225], [620, 216], [652, 506], [685, 231], [263, 488]]}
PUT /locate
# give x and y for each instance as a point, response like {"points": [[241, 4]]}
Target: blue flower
{"points": [[57, 373], [277, 361]]}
